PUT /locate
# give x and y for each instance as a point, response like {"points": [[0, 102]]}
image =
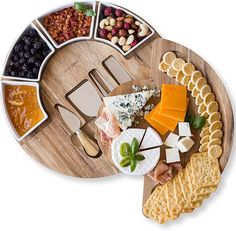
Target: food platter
{"points": [[82, 75]]}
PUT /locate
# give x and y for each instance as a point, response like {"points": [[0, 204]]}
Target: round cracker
{"points": [[169, 57], [179, 76], [163, 66], [188, 69], [171, 72], [200, 83], [205, 139], [215, 141], [208, 98], [215, 151], [190, 85], [195, 92], [198, 99], [215, 116], [177, 64], [205, 114], [203, 147], [204, 132], [185, 80], [216, 134], [201, 108], [215, 126], [206, 124], [205, 90], [195, 76], [212, 107]]}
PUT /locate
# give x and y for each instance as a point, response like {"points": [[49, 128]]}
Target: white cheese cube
{"points": [[172, 155], [184, 129], [172, 140], [151, 139], [185, 144]]}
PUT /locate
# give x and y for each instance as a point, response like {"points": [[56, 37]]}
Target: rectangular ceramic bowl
{"points": [[17, 83], [55, 44], [4, 76], [99, 16]]}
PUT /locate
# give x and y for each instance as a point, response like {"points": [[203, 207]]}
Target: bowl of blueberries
{"points": [[28, 56]]}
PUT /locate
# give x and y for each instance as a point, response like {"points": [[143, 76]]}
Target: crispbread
{"points": [[205, 170], [179, 197]]}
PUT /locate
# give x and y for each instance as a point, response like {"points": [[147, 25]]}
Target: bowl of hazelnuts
{"points": [[120, 28]]}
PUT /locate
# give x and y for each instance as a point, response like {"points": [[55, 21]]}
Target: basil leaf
{"points": [[199, 122], [125, 149], [90, 12], [189, 117], [134, 146], [139, 157], [125, 162], [133, 164], [80, 6]]}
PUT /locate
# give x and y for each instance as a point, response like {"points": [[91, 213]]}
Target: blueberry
{"points": [[32, 32], [37, 63], [32, 60], [21, 54], [16, 64], [13, 73], [37, 45], [30, 75], [24, 67], [35, 70], [18, 47], [22, 60], [39, 57], [26, 47], [11, 63], [22, 74], [27, 40], [27, 54], [45, 53], [33, 51], [15, 58]]}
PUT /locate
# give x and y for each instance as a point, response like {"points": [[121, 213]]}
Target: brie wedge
{"points": [[126, 107], [143, 167], [151, 139]]}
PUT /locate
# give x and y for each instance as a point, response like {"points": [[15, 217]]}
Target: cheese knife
{"points": [[74, 124]]}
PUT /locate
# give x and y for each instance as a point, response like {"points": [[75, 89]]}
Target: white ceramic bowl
{"points": [[100, 9], [17, 83], [40, 22], [4, 76]]}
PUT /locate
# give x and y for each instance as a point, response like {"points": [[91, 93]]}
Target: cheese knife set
{"points": [[114, 97]]}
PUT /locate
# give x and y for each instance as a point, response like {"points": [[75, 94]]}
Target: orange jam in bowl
{"points": [[23, 107]]}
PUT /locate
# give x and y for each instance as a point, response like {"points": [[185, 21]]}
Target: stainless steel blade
{"points": [[70, 119]]}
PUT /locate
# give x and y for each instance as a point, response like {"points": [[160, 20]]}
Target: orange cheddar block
{"points": [[174, 97], [173, 114], [163, 120], [161, 129]]}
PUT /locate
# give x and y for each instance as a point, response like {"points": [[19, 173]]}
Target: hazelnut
{"points": [[126, 47], [114, 40], [129, 20], [109, 36], [122, 41], [119, 24], [123, 33]]}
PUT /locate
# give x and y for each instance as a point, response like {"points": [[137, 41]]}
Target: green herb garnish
{"points": [[84, 9], [196, 122], [130, 154]]}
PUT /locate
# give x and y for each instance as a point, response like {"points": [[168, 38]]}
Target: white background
{"points": [[35, 198]]}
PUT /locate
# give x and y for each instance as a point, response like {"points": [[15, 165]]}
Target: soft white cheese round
{"points": [[152, 156]]}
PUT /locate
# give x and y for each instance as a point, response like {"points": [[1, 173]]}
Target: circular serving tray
{"points": [[50, 143]]}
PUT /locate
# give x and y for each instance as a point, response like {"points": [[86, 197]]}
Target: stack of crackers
{"points": [[186, 191], [202, 174]]}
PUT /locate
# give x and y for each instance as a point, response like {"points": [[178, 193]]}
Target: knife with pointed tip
{"points": [[74, 124]]}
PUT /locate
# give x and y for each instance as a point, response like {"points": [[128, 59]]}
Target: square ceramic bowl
{"points": [[17, 83], [99, 17], [5, 76], [55, 44]]}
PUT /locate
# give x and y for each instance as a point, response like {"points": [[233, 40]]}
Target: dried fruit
{"points": [[134, 43], [123, 33], [103, 33], [119, 12], [127, 26], [114, 31], [107, 11]]}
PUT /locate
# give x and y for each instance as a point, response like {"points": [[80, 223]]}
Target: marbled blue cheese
{"points": [[126, 107]]}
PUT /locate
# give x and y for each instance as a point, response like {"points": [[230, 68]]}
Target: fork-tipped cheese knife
{"points": [[74, 124]]}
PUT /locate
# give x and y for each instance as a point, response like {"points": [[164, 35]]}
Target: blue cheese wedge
{"points": [[126, 107], [152, 156], [151, 139]]}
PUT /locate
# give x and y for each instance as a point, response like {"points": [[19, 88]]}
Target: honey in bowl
{"points": [[23, 107]]}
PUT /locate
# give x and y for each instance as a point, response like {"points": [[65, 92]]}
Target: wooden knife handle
{"points": [[90, 147]]}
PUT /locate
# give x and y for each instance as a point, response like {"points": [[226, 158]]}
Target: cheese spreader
{"points": [[74, 124], [86, 99]]}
